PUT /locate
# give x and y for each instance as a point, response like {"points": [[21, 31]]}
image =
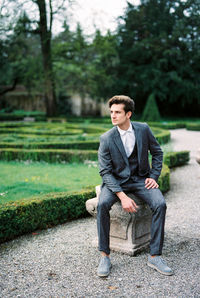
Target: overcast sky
{"points": [[101, 14]]}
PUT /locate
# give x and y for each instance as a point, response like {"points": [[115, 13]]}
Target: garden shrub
{"points": [[81, 145], [193, 126], [162, 136], [174, 159], [40, 131], [48, 155], [164, 179], [25, 216], [167, 125], [151, 112], [20, 115]]}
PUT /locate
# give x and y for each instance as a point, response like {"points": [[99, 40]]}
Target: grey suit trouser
{"points": [[153, 197]]}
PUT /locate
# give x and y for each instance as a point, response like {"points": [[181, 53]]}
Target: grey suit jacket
{"points": [[113, 162]]}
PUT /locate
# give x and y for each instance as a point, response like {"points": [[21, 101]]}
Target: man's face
{"points": [[119, 117]]}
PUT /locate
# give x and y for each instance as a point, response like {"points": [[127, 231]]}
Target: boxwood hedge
{"points": [[175, 159], [48, 155], [41, 212], [193, 126]]}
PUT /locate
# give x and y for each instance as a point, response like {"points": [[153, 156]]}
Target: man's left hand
{"points": [[151, 183]]}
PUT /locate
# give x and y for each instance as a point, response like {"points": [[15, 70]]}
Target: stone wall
{"points": [[21, 99], [85, 106]]}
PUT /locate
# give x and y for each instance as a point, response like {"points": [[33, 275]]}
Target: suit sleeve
{"points": [[157, 156], [106, 166]]}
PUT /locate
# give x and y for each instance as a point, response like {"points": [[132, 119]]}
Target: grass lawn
{"points": [[24, 179]]}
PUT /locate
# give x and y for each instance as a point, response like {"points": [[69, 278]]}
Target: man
{"points": [[124, 167]]}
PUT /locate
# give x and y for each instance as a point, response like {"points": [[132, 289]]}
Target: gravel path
{"points": [[60, 262]]}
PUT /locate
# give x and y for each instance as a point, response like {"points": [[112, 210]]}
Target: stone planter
{"points": [[198, 156]]}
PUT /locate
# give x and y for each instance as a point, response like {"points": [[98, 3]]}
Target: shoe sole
{"points": [[105, 274], [162, 272]]}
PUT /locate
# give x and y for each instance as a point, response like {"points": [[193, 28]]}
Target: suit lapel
{"points": [[119, 144]]}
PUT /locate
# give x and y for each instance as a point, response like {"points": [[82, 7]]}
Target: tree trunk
{"points": [[45, 36]]}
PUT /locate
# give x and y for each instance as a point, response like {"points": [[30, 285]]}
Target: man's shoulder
{"points": [[109, 133], [141, 125]]}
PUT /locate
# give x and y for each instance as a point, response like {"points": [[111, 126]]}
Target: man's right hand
{"points": [[127, 203]]}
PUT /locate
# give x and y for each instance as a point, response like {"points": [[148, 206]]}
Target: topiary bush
{"points": [[174, 159], [193, 126], [151, 112]]}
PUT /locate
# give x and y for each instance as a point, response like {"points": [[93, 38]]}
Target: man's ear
{"points": [[129, 114]]}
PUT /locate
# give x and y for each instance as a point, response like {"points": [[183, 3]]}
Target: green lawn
{"points": [[24, 179]]}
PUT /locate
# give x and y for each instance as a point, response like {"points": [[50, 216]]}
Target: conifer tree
{"points": [[151, 112]]}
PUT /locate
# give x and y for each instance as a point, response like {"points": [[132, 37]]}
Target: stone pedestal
{"points": [[198, 156], [129, 233]]}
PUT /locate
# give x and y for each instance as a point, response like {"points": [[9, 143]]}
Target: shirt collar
{"points": [[122, 132]]}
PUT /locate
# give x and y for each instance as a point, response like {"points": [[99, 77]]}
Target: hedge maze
{"points": [[55, 142], [59, 142]]}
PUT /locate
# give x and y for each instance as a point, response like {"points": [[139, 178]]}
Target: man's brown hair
{"points": [[128, 102]]}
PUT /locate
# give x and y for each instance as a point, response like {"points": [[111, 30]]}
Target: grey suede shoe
{"points": [[160, 265], [104, 267]]}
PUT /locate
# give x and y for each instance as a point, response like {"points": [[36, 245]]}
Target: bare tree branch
{"points": [[51, 15], [9, 88], [59, 7]]}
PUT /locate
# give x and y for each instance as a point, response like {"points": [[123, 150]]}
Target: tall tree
{"points": [[158, 51], [20, 58], [42, 21], [103, 65], [45, 36]]}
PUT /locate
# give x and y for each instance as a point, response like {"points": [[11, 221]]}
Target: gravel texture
{"points": [[60, 262]]}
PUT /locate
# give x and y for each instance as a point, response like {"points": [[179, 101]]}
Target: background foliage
{"points": [[155, 50]]}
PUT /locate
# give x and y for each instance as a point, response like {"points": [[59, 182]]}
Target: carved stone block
{"points": [[198, 156], [129, 233]]}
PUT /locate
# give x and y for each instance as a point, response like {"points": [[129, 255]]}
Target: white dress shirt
{"points": [[128, 139]]}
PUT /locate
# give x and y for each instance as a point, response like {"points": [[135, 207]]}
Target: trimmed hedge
{"points": [[174, 159], [20, 115], [48, 155], [30, 131], [168, 125], [81, 145], [28, 215], [162, 136], [193, 126], [164, 179]]}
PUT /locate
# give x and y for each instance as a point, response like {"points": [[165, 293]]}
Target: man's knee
{"points": [[103, 205], [156, 200], [105, 202], [106, 199], [161, 205]]}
